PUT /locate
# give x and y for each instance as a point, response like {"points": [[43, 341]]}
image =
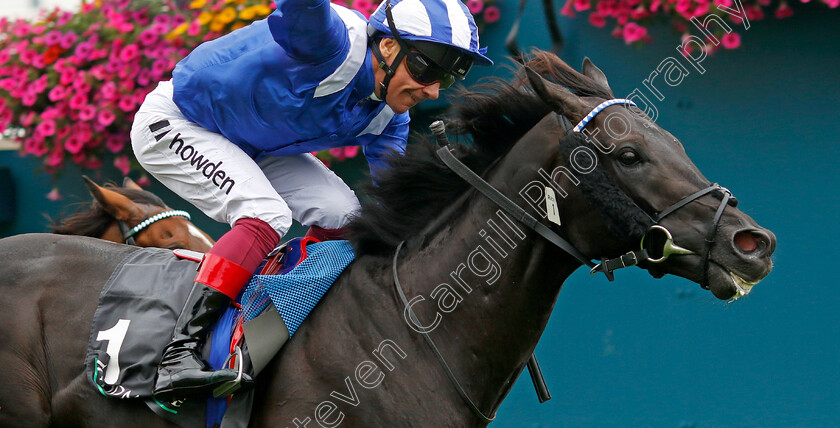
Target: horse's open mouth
{"points": [[742, 286]]}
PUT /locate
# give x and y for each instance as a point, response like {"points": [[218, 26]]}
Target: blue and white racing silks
{"points": [[293, 83]]}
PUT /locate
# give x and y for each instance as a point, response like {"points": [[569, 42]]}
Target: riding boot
{"points": [[182, 372]]}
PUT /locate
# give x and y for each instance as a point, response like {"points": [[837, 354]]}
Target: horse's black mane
{"points": [[489, 119], [90, 218]]}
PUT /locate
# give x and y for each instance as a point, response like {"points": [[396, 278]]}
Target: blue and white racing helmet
{"points": [[443, 30]]}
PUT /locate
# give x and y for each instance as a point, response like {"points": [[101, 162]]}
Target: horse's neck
{"points": [[488, 285]]}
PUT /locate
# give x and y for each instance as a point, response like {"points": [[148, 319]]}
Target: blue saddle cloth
{"points": [[294, 294]]}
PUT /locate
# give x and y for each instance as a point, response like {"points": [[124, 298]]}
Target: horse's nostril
{"points": [[747, 241]]}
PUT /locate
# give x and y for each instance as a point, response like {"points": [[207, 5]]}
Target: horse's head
{"points": [[650, 180], [119, 213]]}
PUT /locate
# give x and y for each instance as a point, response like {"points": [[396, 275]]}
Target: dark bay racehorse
{"points": [[132, 206], [481, 283]]}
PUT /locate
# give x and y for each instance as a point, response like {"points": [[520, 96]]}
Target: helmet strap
{"points": [[390, 70]]}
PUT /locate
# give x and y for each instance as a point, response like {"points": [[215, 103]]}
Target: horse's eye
{"points": [[628, 157]]}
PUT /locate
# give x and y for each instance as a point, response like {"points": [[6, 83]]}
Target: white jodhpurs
{"points": [[226, 184]]}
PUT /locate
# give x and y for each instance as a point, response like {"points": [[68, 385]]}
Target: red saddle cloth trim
{"points": [[223, 275]]}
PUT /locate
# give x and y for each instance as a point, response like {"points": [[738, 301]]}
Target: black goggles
{"points": [[425, 71]]}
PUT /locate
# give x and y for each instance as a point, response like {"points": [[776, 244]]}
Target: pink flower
{"points": [[4, 56], [74, 144], [63, 132], [597, 20], [9, 84], [64, 18], [29, 99], [491, 14], [475, 6], [725, 3], [105, 117], [87, 112], [784, 11], [27, 118], [56, 158], [22, 29], [125, 27], [147, 38], [832, 3], [159, 67], [162, 19], [69, 39], [581, 5], [93, 163], [633, 32], [129, 52], [126, 104], [53, 38], [122, 163], [115, 143], [683, 6], [78, 101], [159, 29], [67, 76], [84, 49], [642, 13], [363, 6], [109, 90], [54, 194], [195, 28], [28, 56], [731, 40], [144, 181], [753, 13], [702, 9], [337, 153], [46, 128], [98, 72], [351, 151], [58, 92], [144, 77], [35, 146]]}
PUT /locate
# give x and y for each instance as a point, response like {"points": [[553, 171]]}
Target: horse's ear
{"points": [[595, 73], [557, 97], [118, 206], [128, 183]]}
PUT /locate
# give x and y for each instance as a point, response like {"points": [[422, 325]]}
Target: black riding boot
{"points": [[182, 372]]}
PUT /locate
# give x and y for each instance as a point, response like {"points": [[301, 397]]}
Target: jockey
{"points": [[233, 130]]}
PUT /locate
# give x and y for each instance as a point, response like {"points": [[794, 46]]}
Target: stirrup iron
{"points": [[229, 388]]}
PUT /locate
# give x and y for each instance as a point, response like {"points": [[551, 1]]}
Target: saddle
{"points": [[143, 297]]}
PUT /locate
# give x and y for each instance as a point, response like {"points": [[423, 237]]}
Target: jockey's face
{"points": [[403, 91]]}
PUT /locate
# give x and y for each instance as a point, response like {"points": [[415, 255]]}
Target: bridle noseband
{"points": [[647, 253], [128, 234]]}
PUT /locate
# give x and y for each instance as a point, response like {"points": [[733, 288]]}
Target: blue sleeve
{"points": [[392, 140], [308, 30]]}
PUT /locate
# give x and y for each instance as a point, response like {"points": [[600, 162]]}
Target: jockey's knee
{"points": [[332, 209]]}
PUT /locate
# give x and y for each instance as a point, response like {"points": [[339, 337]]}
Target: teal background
{"points": [[763, 121]]}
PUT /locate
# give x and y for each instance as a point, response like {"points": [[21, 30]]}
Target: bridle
{"points": [[647, 253], [128, 234]]}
